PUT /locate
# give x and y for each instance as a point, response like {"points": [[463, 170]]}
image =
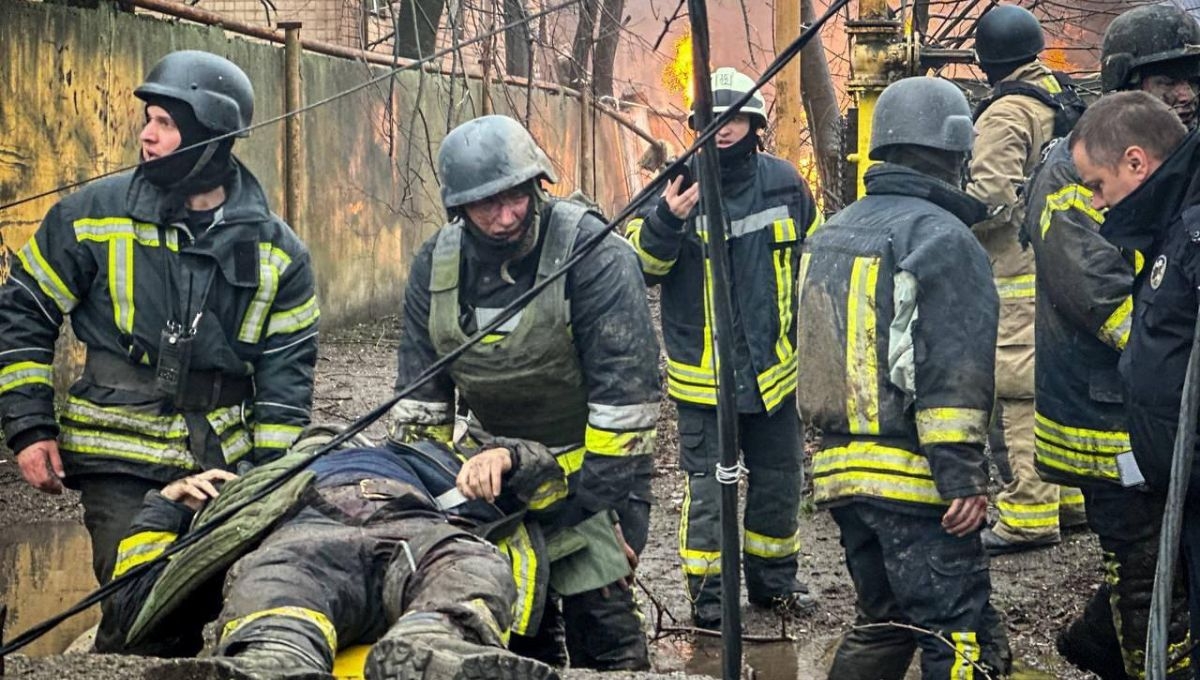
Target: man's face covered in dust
{"points": [[1176, 84]]}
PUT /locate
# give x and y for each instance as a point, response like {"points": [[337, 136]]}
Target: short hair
{"points": [[1120, 120]]}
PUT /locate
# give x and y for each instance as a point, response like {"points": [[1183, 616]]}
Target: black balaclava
{"points": [[178, 172], [997, 72], [735, 157], [947, 166]]}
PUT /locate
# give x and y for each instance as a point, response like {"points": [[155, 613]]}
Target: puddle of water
{"points": [[44, 569]]}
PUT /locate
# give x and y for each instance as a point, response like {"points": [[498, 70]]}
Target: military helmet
{"points": [[488, 155], [1149, 34], [922, 111], [219, 93], [1008, 34], [728, 85]]}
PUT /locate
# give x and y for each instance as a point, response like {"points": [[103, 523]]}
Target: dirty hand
{"points": [[480, 476], [196, 490], [965, 515], [681, 204], [41, 466], [630, 556]]}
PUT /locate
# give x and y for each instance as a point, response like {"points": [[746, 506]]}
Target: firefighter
{"points": [[365, 546], [577, 370], [1013, 127], [770, 210], [897, 352], [194, 301], [1084, 312], [1132, 153]]}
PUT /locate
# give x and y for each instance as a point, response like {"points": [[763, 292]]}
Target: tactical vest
{"points": [[529, 383], [1058, 91]]}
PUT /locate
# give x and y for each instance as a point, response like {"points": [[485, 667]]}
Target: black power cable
{"points": [[504, 315]]}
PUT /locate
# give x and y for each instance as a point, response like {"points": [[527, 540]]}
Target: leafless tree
{"points": [[518, 41], [419, 37]]}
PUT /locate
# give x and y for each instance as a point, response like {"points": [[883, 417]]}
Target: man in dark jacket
{"points": [[770, 210], [195, 303], [368, 545], [1132, 154], [576, 370], [896, 349], [1084, 314]]}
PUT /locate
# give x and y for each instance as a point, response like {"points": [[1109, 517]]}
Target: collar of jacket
{"points": [[1033, 73], [1143, 216], [897, 180], [245, 200]]}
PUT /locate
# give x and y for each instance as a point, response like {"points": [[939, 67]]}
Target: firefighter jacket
{"points": [[1160, 219], [1084, 307], [158, 609], [576, 369], [1011, 133], [896, 346], [770, 210], [118, 258]]}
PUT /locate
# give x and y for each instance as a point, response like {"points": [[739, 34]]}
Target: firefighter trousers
{"points": [[317, 584], [1030, 508], [907, 569], [1128, 523], [597, 629], [772, 450]]}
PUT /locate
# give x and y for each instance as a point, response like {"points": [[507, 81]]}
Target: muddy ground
{"points": [[1039, 591]]}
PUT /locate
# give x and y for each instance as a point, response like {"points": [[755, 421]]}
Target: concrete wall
{"points": [[67, 113]]}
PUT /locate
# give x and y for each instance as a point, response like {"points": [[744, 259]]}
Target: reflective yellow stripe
{"points": [[518, 546], [1070, 197], [47, 279], [873, 470], [270, 436], [1050, 84], [690, 394], [1079, 451], [862, 390], [570, 460], [121, 233], [23, 373], [694, 562], [966, 654], [785, 231], [294, 319], [952, 426], [1015, 287], [818, 221], [1030, 516], [411, 433], [272, 263], [316, 618], [548, 494], [778, 382], [770, 547], [124, 418], [1080, 438], [650, 264], [140, 548], [607, 443], [106, 229], [125, 447], [1115, 331], [1071, 496]]}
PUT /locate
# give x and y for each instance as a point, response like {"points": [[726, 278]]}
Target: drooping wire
{"points": [[308, 107], [436, 367]]}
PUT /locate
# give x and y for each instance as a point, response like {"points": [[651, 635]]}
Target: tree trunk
{"points": [[611, 21], [517, 41], [575, 71], [821, 107], [418, 21]]}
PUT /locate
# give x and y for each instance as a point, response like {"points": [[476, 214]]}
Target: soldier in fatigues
{"points": [[1084, 311], [1012, 131], [896, 349]]}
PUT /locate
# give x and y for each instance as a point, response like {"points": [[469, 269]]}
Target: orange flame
{"points": [[678, 75], [1056, 59]]}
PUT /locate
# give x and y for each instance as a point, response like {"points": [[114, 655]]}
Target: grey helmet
{"points": [[219, 93], [922, 111], [488, 155], [1149, 34], [1008, 34]]}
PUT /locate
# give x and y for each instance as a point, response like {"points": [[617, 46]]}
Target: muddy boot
{"points": [[426, 647], [1090, 643], [231, 668]]}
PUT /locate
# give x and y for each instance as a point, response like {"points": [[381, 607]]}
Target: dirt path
{"points": [[1039, 592]]}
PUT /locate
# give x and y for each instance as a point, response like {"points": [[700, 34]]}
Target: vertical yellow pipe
{"points": [[866, 112]]}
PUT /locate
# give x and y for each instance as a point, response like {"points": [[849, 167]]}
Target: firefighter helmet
{"points": [[488, 155], [922, 111], [1008, 34], [1149, 34], [218, 92], [728, 85]]}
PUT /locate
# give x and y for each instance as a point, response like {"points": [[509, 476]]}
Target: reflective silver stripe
{"points": [[414, 412], [120, 282], [484, 316], [294, 319], [125, 418], [25, 373], [138, 449], [749, 224], [272, 263], [617, 418], [771, 547], [47, 279], [271, 436]]}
